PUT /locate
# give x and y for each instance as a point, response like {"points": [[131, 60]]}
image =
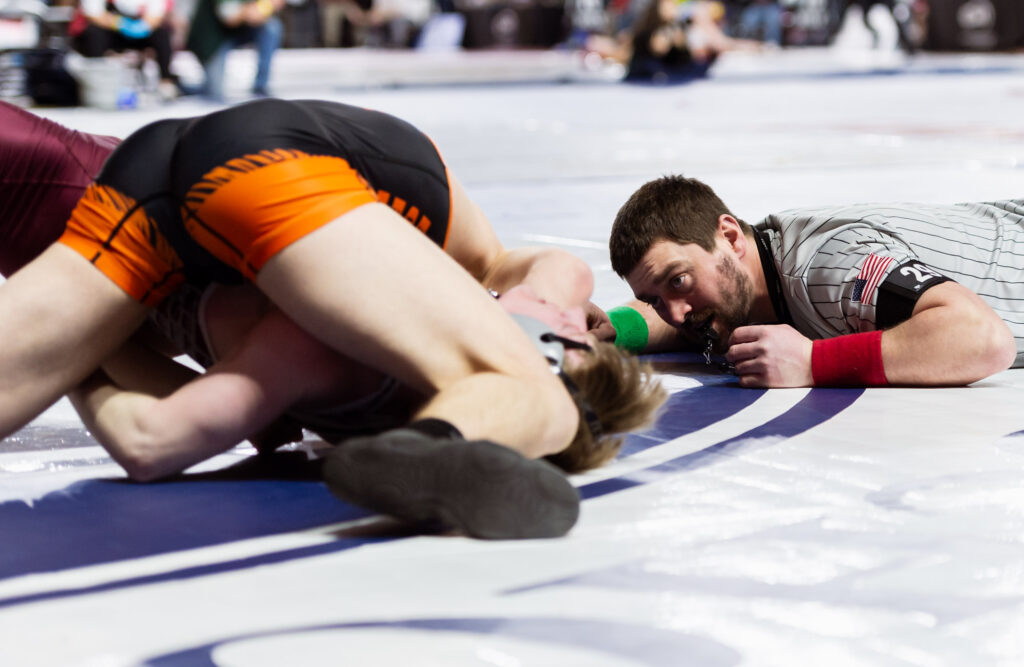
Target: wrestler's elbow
{"points": [[141, 472], [142, 454], [579, 276], [560, 276], [140, 464]]}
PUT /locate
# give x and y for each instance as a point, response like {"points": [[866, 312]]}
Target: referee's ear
{"points": [[731, 231]]}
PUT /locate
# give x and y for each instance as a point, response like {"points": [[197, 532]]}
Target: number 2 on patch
{"points": [[921, 272]]}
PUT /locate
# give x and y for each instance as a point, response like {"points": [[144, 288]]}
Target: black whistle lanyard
{"points": [[771, 278]]}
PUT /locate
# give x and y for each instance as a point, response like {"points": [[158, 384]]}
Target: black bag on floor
{"points": [[41, 75]]}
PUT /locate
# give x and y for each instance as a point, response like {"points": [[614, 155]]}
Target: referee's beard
{"points": [[736, 299]]}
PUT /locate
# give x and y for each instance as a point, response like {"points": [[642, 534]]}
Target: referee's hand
{"points": [[770, 355]]}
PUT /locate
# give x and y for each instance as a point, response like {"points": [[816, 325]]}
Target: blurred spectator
{"points": [[396, 23], [339, 19], [302, 23], [901, 21], [380, 23], [218, 26], [614, 40], [675, 41], [102, 26], [760, 20]]}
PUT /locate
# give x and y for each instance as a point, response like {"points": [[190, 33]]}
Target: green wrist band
{"points": [[630, 328]]}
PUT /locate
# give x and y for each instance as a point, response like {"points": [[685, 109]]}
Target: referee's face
{"points": [[693, 289]]}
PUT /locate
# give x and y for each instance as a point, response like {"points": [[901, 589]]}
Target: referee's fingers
{"points": [[747, 334], [739, 352]]}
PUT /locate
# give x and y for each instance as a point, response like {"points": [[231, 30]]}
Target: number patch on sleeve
{"points": [[914, 277], [899, 292]]}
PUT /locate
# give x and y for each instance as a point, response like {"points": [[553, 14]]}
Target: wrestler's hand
{"points": [[280, 432], [771, 355], [598, 323]]}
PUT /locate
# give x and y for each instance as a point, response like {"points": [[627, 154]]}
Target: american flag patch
{"points": [[871, 272]]}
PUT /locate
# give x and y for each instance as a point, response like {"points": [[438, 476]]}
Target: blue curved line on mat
{"points": [[100, 521], [204, 570], [717, 398], [691, 410], [641, 645], [817, 406]]}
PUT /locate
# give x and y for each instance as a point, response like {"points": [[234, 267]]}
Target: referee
{"points": [[862, 295]]}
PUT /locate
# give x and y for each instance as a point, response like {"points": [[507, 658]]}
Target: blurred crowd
{"points": [[652, 40], [154, 31], [677, 40]]}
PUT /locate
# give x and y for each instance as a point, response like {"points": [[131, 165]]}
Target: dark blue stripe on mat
{"points": [[818, 406], [691, 410], [194, 571], [717, 398], [101, 521]]}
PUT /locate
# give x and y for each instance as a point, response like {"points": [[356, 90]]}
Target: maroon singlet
{"points": [[44, 168]]}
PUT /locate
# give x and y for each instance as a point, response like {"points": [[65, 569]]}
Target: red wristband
{"points": [[854, 360]]}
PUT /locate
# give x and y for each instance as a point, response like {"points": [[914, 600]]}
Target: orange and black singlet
{"points": [[211, 199]]}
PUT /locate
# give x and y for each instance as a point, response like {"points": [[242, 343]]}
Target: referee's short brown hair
{"points": [[670, 208]]}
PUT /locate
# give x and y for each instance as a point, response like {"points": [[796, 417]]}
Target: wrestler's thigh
{"points": [[59, 318], [373, 288]]}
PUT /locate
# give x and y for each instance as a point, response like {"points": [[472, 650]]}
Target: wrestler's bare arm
{"points": [[153, 435], [554, 274], [146, 369]]}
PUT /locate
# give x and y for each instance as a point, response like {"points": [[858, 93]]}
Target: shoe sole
{"points": [[479, 487]]}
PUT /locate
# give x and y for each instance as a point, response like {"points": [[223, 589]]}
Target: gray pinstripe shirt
{"points": [[833, 261]]}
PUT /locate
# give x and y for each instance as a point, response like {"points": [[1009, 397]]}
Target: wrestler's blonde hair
{"points": [[623, 393]]}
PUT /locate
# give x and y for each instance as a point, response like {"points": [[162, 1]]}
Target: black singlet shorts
{"points": [[211, 199]]}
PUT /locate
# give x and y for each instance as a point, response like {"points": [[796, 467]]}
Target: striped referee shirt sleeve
{"points": [[844, 277]]}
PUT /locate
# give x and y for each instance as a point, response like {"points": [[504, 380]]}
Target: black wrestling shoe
{"points": [[479, 487]]}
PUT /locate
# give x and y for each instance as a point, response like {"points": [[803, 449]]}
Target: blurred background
{"points": [[129, 53]]}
